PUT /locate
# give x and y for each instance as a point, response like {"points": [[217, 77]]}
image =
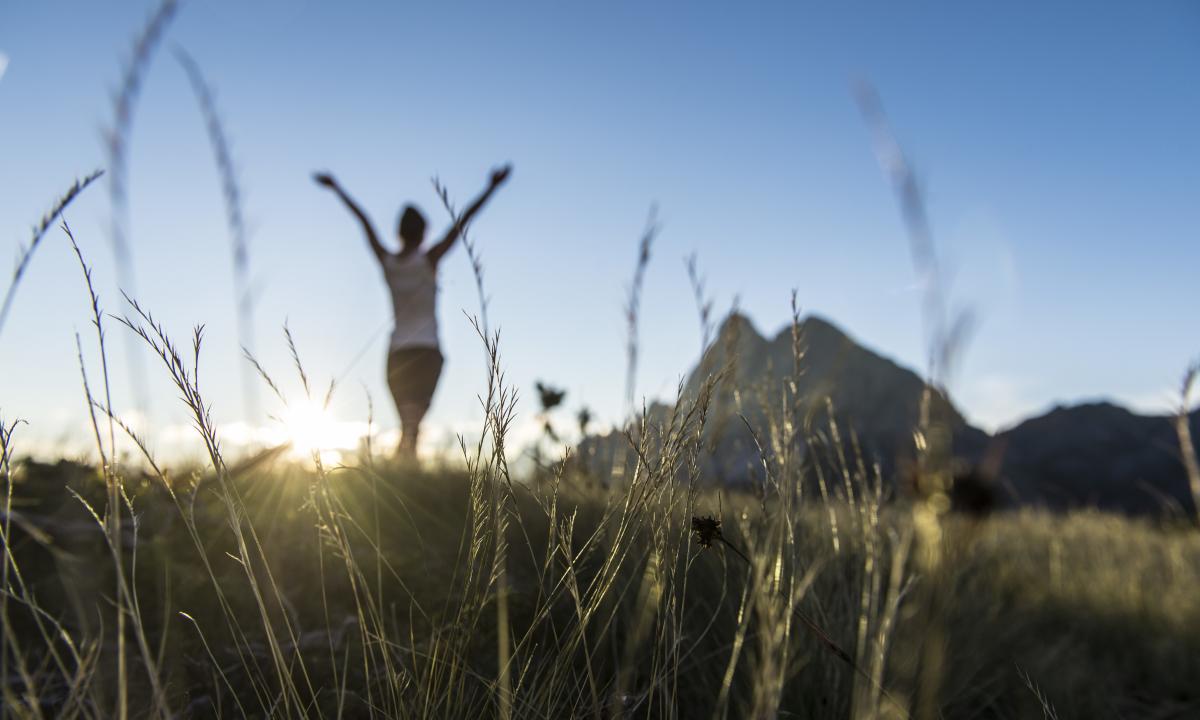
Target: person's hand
{"points": [[499, 175], [325, 179]]}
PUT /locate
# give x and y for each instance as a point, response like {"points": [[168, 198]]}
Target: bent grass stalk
{"points": [[231, 192], [117, 139], [39, 231]]}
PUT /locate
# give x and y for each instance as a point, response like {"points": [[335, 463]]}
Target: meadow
{"points": [[267, 587], [272, 589], [263, 586]]}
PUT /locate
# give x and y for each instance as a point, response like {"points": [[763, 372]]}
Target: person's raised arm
{"points": [[456, 230], [326, 180]]}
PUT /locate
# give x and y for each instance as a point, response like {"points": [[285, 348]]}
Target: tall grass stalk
{"points": [[490, 477], [277, 627], [633, 303], [472, 249], [12, 646], [946, 332], [111, 521], [632, 310], [1183, 431], [704, 303]]}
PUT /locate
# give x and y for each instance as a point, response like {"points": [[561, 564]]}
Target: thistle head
{"points": [[707, 530]]}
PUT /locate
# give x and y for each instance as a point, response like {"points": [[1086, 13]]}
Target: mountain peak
{"points": [[737, 326], [879, 398], [819, 324]]}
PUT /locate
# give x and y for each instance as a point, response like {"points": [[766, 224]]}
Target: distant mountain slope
{"points": [[867, 392], [870, 395], [1097, 454], [1094, 454]]}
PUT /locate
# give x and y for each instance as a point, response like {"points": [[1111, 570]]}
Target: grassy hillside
{"points": [[379, 591]]}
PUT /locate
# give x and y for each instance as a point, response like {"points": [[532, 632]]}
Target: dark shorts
{"points": [[412, 374]]}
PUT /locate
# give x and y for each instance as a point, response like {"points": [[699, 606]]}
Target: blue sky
{"points": [[1056, 143]]}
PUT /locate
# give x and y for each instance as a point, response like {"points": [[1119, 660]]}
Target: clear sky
{"points": [[1057, 143]]}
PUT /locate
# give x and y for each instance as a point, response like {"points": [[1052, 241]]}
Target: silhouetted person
{"points": [[414, 360]]}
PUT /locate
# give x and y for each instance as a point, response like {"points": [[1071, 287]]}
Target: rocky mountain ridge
{"points": [[1093, 454]]}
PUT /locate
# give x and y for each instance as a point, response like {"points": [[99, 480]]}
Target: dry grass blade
{"points": [[119, 134], [472, 251], [946, 334], [632, 310], [1184, 431], [39, 231], [98, 322], [9, 567], [633, 304], [947, 331], [291, 343], [128, 609], [265, 591], [262, 372], [704, 303], [1048, 711], [912, 204]]}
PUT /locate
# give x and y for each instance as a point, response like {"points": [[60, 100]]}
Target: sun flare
{"points": [[311, 429]]}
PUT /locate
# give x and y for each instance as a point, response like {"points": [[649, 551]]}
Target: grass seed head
{"points": [[707, 530]]}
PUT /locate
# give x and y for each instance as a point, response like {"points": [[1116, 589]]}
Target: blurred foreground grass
{"points": [[380, 589]]}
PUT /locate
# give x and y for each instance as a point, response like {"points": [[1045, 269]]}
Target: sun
{"points": [[310, 429]]}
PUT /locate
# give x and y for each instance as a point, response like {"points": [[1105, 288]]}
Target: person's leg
{"points": [[396, 377], [411, 415], [412, 377]]}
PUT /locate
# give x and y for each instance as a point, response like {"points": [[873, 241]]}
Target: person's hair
{"points": [[412, 224]]}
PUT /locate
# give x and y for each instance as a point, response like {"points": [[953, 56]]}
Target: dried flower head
{"points": [[551, 397], [707, 529], [973, 492]]}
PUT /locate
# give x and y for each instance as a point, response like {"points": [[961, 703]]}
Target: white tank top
{"points": [[412, 281]]}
